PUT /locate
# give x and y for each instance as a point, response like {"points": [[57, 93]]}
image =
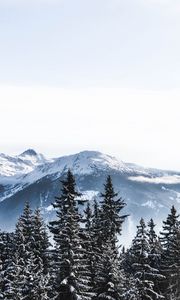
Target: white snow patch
{"points": [[176, 194], [171, 179], [89, 195], [149, 203], [49, 208]]}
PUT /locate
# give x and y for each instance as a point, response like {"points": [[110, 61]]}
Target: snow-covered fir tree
{"points": [[7, 256], [141, 268], [85, 262], [72, 281], [111, 218], [170, 259], [154, 257], [174, 280], [96, 229], [12, 285], [1, 264], [40, 245], [87, 238], [41, 242], [31, 283], [24, 239], [130, 287], [109, 278]]}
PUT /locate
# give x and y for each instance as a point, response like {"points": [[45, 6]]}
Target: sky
{"points": [[99, 75]]}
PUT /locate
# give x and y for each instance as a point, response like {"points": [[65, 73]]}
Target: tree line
{"points": [[85, 261]]}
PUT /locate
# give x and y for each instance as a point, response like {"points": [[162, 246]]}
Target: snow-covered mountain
{"points": [[30, 176], [20, 164]]}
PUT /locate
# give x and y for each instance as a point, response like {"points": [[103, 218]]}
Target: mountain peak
{"points": [[30, 152]]}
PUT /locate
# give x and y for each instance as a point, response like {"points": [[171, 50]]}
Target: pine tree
{"points": [[7, 256], [87, 238], [12, 284], [95, 235], [40, 246], [170, 262], [1, 264], [31, 283], [111, 206], [96, 230], [24, 239], [174, 280], [141, 268], [131, 291], [41, 242], [154, 257], [71, 278], [109, 278]]}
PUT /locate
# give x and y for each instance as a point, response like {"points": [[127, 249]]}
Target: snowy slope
{"points": [[22, 170], [83, 163], [30, 176], [20, 164]]}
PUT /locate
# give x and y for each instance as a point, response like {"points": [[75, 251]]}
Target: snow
{"points": [[20, 164], [149, 203], [49, 208], [17, 172], [167, 179], [89, 194], [176, 194], [87, 162], [83, 163]]}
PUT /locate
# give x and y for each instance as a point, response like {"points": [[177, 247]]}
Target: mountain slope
{"points": [[30, 176], [20, 164]]}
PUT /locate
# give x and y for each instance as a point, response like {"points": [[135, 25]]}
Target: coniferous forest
{"points": [[85, 261]]}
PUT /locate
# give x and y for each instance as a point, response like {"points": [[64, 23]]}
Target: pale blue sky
{"points": [[124, 43], [91, 74]]}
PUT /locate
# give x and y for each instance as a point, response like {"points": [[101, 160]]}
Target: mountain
{"points": [[20, 164], [32, 177]]}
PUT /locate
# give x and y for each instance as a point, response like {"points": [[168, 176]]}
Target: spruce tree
{"points": [[71, 278], [87, 238], [154, 256], [141, 268], [7, 256], [109, 277], [41, 242], [131, 291], [40, 245], [96, 242], [1, 264], [170, 262], [31, 283], [174, 280], [111, 206], [24, 239], [12, 284], [96, 230]]}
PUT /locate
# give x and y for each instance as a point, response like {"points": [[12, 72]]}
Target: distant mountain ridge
{"points": [[20, 164], [31, 176]]}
